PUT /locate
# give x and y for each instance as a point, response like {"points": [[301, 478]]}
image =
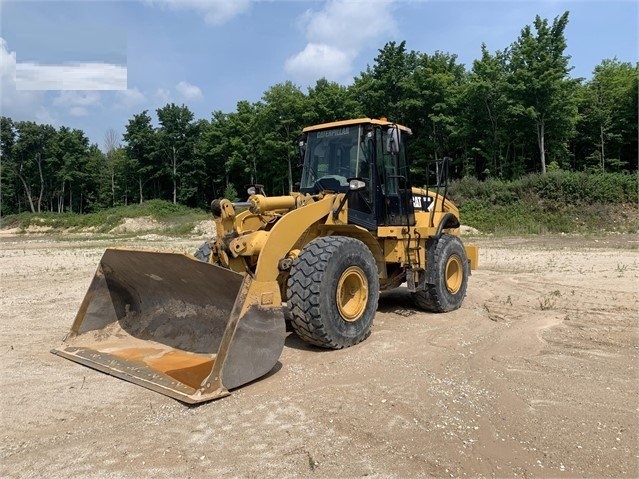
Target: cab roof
{"points": [[357, 121]]}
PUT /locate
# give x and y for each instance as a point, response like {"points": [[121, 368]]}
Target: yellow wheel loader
{"points": [[319, 257]]}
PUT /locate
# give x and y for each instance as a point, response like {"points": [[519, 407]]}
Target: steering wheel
{"points": [[343, 171]]}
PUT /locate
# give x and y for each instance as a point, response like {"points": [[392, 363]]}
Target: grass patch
{"points": [[525, 217], [174, 219], [559, 202]]}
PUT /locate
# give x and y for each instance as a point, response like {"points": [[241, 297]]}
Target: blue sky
{"points": [[210, 54]]}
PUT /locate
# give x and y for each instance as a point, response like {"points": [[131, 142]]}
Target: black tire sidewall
{"points": [[349, 253], [446, 247]]}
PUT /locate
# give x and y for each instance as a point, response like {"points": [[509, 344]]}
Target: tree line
{"points": [[514, 112]]}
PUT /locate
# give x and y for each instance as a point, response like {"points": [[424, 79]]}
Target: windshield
{"points": [[332, 156]]}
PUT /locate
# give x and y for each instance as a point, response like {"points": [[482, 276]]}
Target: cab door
{"points": [[362, 209], [395, 187]]}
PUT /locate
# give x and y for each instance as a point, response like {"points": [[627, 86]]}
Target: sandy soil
{"points": [[536, 376]]}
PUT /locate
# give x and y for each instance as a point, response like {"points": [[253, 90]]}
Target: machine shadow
{"points": [[397, 301]]}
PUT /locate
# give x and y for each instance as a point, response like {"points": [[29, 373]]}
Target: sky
{"points": [[93, 64]]}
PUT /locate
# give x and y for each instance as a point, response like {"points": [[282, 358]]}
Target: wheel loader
{"points": [[317, 258]]}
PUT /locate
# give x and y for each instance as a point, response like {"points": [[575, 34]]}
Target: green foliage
{"points": [[329, 101], [138, 168], [280, 123], [553, 166], [175, 143], [521, 218], [543, 93], [607, 138], [485, 117], [160, 209], [230, 193], [558, 187], [559, 202]]}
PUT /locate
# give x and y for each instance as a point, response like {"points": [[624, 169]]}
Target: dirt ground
{"points": [[535, 376]]}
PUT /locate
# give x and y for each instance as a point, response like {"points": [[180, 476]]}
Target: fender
{"points": [[286, 232]]}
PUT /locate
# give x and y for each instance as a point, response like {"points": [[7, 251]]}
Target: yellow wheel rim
{"points": [[352, 293], [454, 274]]}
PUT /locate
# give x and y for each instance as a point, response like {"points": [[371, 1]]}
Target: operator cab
{"points": [[366, 159]]}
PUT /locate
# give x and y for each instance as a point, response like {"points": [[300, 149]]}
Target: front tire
{"points": [[333, 291], [203, 253], [447, 275]]}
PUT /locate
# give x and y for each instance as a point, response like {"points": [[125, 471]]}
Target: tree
{"points": [[542, 92], [432, 105], [193, 175], [280, 123], [92, 181], [330, 101], [70, 157], [32, 150], [111, 145], [242, 147], [609, 112], [419, 90], [176, 140], [382, 89], [7, 142], [140, 138], [126, 172], [484, 114], [213, 147]]}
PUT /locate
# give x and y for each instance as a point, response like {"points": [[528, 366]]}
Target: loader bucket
{"points": [[175, 325]]}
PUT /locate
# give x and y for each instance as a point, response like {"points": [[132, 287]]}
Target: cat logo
{"points": [[423, 203]]}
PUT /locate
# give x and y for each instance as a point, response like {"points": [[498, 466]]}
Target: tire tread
{"points": [[303, 292]]}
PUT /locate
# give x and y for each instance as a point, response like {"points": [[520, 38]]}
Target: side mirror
{"points": [[443, 176], [392, 144], [356, 185], [301, 145], [256, 189]]}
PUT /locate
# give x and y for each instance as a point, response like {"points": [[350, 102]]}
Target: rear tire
{"points": [[447, 275], [333, 291]]}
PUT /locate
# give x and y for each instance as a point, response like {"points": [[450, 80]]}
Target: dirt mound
{"points": [[135, 225], [205, 229], [8, 232], [469, 230]]}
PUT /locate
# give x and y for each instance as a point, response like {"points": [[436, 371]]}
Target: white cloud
{"points": [[215, 12], [78, 111], [77, 98], [188, 91], [349, 23], [319, 60], [71, 76], [130, 98], [19, 105], [336, 35], [77, 103], [7, 62], [162, 95], [42, 116]]}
